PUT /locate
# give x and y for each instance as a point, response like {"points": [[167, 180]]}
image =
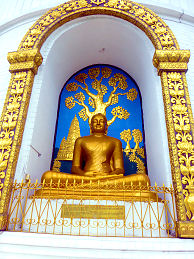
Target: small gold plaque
{"points": [[92, 211]]}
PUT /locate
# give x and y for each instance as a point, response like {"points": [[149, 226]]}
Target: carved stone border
{"points": [[170, 62], [24, 65], [172, 66]]}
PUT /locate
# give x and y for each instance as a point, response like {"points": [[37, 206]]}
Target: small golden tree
{"points": [[137, 135], [133, 153], [117, 81], [126, 136]]}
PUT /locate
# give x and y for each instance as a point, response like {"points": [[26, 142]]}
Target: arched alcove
{"points": [[73, 46], [69, 43], [102, 89]]}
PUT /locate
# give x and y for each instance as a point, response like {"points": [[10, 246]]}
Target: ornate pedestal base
{"points": [[95, 192]]}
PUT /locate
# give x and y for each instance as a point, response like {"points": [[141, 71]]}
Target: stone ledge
{"points": [[28, 245]]}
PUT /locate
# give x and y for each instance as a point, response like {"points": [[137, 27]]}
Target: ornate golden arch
{"points": [[171, 63]]}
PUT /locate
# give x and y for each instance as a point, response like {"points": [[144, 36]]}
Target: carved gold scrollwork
{"points": [[179, 131], [10, 120], [183, 137], [25, 60], [2, 176], [98, 2], [145, 19], [171, 60], [23, 65]]}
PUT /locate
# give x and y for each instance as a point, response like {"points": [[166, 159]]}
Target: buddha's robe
{"points": [[97, 159]]}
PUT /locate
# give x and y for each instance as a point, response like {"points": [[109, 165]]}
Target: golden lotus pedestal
{"points": [[95, 192]]}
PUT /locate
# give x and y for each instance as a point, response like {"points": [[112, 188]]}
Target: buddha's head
{"points": [[99, 123]]}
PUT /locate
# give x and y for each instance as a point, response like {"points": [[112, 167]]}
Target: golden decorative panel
{"points": [[92, 211], [173, 60], [24, 60], [185, 229], [172, 67], [170, 62]]}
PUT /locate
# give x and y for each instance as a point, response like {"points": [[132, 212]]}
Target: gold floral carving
{"points": [[3, 221], [179, 121], [174, 60], [155, 28], [24, 60], [171, 67], [185, 229], [13, 118]]}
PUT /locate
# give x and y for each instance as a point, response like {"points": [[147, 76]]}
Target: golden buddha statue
{"points": [[97, 159]]}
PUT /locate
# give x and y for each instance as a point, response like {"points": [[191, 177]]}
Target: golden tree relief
{"points": [[135, 153], [116, 81]]}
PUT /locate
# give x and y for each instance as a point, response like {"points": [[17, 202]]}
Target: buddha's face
{"points": [[98, 124]]}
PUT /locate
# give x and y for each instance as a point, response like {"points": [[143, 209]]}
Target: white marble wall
{"points": [[172, 4], [12, 9]]}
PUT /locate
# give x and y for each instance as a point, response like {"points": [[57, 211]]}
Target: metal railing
{"points": [[92, 210]]}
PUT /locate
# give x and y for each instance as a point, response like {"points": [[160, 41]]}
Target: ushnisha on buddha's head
{"points": [[98, 124]]}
